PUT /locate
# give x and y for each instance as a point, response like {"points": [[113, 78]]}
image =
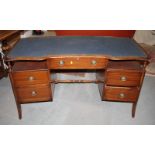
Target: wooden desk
{"points": [[119, 64], [8, 39]]}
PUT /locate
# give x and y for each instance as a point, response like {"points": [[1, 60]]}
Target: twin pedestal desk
{"points": [[119, 64]]}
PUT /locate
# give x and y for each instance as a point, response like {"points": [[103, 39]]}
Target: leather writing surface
{"points": [[56, 45]]}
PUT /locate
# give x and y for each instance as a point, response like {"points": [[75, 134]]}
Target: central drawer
{"points": [[77, 63], [128, 94], [34, 93], [25, 78]]}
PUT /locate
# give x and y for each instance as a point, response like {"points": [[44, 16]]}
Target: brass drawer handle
{"points": [[33, 93], [61, 62], [123, 78], [71, 62], [31, 78], [93, 62], [121, 95]]}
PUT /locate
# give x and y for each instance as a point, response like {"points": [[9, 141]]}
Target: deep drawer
{"points": [[129, 94], [24, 78], [34, 93], [77, 63]]}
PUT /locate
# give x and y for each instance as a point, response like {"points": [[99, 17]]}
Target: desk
{"points": [[8, 38], [119, 64]]}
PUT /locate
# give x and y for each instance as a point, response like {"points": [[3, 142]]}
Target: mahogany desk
{"points": [[119, 64]]}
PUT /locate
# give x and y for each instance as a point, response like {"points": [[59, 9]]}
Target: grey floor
{"points": [[78, 104]]}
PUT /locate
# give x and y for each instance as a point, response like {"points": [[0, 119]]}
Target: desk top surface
{"points": [[56, 45]]}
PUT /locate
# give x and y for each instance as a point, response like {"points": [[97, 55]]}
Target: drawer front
{"points": [[128, 94], [123, 78], [34, 93], [30, 77], [77, 63]]}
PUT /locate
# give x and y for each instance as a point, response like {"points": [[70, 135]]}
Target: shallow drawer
{"points": [[30, 77], [123, 78], [77, 63], [36, 93], [128, 94]]}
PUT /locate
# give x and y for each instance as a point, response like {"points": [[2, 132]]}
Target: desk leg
{"points": [[134, 105], [19, 108]]}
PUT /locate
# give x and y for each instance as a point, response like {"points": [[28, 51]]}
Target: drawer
{"points": [[77, 63], [128, 94], [34, 93], [123, 78], [30, 77]]}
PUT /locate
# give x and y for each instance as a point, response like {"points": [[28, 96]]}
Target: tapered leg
{"points": [[134, 105], [19, 108]]}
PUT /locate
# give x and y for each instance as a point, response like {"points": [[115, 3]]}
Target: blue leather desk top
{"points": [[56, 45]]}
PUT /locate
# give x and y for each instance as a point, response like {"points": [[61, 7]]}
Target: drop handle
{"points": [[121, 95], [61, 62], [93, 62], [123, 78], [34, 93]]}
